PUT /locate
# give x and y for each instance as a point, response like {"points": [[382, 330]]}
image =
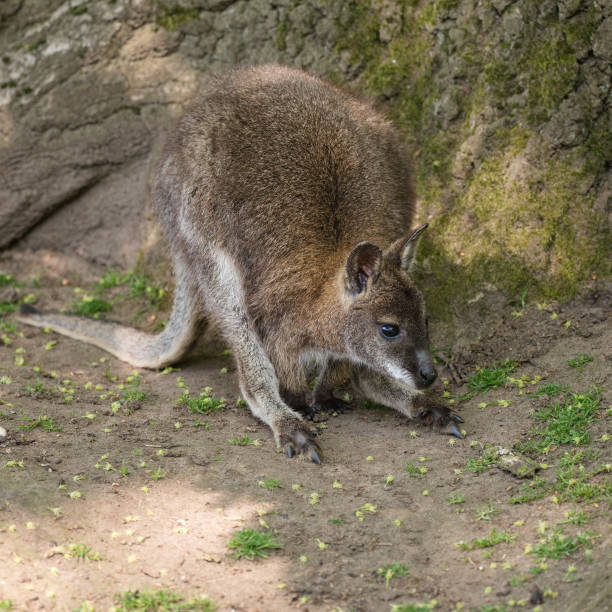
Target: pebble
{"points": [[2, 432]]}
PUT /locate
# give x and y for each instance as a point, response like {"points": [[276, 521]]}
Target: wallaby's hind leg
{"points": [[258, 381], [131, 345], [423, 407]]}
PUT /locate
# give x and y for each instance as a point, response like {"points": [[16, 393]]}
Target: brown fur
{"points": [[288, 206]]}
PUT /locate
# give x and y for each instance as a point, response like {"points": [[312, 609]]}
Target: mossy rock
{"points": [[505, 459], [511, 149]]}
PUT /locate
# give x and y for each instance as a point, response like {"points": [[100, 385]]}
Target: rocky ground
{"points": [[114, 481]]}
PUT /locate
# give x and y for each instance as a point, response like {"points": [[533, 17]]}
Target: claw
{"points": [[300, 441], [315, 456], [456, 417], [332, 404], [453, 430]]}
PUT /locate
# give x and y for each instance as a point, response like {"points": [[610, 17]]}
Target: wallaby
{"points": [[287, 206]]}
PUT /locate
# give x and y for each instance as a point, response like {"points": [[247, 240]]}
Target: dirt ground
{"points": [[157, 491]]}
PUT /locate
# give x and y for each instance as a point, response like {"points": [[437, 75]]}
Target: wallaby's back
{"points": [[281, 167]]}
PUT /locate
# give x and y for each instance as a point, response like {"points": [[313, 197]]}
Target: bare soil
{"points": [[164, 518]]}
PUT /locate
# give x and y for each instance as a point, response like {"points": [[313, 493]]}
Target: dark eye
{"points": [[389, 330]]}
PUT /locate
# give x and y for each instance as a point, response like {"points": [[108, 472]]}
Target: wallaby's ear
{"points": [[363, 262], [408, 248]]}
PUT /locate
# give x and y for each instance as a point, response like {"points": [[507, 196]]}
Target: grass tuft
{"points": [[205, 403], [566, 421], [43, 421], [579, 361], [557, 545], [82, 552], [392, 570], [495, 537], [89, 306], [250, 543], [489, 377], [160, 601]]}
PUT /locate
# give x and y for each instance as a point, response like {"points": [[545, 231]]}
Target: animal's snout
{"points": [[427, 374]]}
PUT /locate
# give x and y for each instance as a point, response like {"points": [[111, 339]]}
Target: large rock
{"points": [[87, 89], [507, 105]]}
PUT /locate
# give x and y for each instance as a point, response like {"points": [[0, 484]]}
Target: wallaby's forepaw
{"points": [[331, 404], [300, 439], [432, 411]]}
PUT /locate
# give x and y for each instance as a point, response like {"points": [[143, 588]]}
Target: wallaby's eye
{"points": [[388, 330]]}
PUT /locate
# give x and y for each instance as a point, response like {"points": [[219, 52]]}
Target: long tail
{"points": [[128, 344]]}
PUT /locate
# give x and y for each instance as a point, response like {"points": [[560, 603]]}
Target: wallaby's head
{"points": [[387, 325]]}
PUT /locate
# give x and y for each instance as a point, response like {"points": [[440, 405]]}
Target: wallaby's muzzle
{"points": [[426, 372]]}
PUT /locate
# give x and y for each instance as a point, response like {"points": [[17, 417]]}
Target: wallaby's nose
{"points": [[427, 374]]}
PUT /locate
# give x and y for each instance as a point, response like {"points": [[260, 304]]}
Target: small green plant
{"points": [[205, 403], [548, 389], [414, 471], [38, 389], [489, 377], [200, 423], [576, 517], [484, 513], [518, 580], [82, 552], [8, 326], [78, 10], [566, 421], [7, 280], [124, 470], [89, 306], [250, 543], [160, 601], [113, 278], [133, 396], [158, 474], [557, 545], [530, 491], [337, 520], [456, 498], [6, 604], [43, 421], [270, 484], [414, 607], [392, 570], [579, 361], [141, 287], [244, 441], [495, 537], [480, 464]]}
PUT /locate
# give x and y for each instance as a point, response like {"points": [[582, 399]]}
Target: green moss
{"points": [[543, 233], [78, 10], [361, 27], [37, 44], [172, 17], [519, 216], [280, 39], [552, 69]]}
